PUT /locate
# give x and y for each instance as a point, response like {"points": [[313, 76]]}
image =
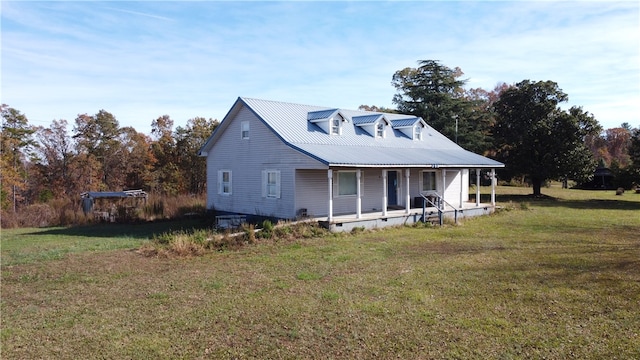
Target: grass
{"points": [[28, 245], [557, 277]]}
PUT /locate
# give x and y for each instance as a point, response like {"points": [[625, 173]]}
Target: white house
{"points": [[345, 167]]}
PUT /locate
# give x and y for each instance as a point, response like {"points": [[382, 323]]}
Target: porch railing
{"points": [[434, 199]]}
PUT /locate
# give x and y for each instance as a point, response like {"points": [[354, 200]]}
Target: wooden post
{"points": [[330, 183], [461, 173], [407, 173], [385, 195], [477, 187], [494, 180], [358, 195], [444, 184]]}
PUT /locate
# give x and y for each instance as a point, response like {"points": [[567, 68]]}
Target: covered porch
{"points": [[399, 194]]}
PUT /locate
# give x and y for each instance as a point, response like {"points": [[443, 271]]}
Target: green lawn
{"points": [[553, 278]]}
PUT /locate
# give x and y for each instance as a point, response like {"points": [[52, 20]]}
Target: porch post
{"points": [[444, 184], [358, 195], [407, 172], [330, 183], [461, 173], [493, 187], [385, 188], [477, 187]]}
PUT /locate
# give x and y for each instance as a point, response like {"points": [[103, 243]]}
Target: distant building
{"points": [[603, 179]]}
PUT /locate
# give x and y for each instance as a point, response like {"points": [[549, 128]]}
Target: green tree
{"points": [[16, 144], [634, 148], [631, 175], [476, 131], [56, 158], [188, 141], [98, 137], [374, 108], [138, 159], [166, 174], [435, 93], [534, 137]]}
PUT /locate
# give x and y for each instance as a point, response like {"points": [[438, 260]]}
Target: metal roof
{"points": [[354, 147], [366, 119], [114, 194], [322, 114], [404, 122]]}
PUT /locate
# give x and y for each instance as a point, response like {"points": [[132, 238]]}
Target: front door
{"points": [[392, 188]]}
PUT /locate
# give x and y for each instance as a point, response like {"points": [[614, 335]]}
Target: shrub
{"points": [[37, 215], [186, 245], [267, 230], [250, 233], [8, 219], [197, 242], [180, 243], [357, 230]]}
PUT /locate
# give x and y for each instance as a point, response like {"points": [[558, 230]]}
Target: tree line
{"points": [[520, 124], [55, 164]]}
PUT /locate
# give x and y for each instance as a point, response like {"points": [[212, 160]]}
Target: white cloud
{"points": [[142, 60]]}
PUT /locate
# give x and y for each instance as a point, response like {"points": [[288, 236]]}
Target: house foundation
{"points": [[375, 220]]}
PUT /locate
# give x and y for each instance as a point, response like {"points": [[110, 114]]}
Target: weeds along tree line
{"points": [[44, 169]]}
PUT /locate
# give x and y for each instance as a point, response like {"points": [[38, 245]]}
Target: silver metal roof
{"points": [[365, 119], [404, 122], [354, 147], [321, 114]]}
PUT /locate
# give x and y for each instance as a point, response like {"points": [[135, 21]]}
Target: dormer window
{"points": [[373, 124], [336, 126], [328, 120], [411, 127], [380, 129], [417, 132]]}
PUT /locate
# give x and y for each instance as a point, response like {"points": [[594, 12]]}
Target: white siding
{"points": [[247, 158], [456, 180], [312, 192]]}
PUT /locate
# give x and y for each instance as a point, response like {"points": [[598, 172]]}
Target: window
{"points": [[428, 180], [347, 183], [380, 130], [417, 132], [244, 129], [335, 125], [224, 182], [271, 184]]}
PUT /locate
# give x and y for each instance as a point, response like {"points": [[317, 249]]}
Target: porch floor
{"points": [[373, 219]]}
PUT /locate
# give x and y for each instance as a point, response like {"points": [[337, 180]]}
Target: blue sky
{"points": [[141, 60]]}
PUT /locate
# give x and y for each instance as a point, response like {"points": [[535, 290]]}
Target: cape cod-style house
{"points": [[346, 168]]}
